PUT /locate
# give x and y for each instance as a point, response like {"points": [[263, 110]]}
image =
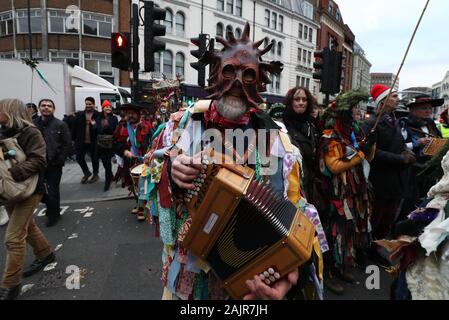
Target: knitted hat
{"points": [[379, 92], [105, 104]]}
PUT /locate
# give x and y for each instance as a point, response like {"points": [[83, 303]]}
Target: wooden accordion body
{"points": [[241, 228], [434, 146]]}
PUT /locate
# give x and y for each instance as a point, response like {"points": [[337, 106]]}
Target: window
{"points": [[274, 19], [300, 31], [238, 33], [219, 29], [157, 62], [71, 57], [168, 64], [273, 48], [220, 5], [97, 25], [299, 55], [307, 9], [99, 64], [277, 82], [238, 8], [304, 56], [330, 8], [311, 35], [306, 33], [228, 30], [309, 58], [281, 23], [267, 18], [279, 49], [230, 6], [298, 81], [6, 55], [6, 22], [22, 21], [180, 64], [338, 15], [168, 22], [180, 24]]}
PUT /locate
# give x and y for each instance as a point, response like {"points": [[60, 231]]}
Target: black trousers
{"points": [[106, 156], [92, 150], [52, 199]]}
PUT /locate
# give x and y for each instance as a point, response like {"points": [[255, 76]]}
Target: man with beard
{"points": [[390, 168], [418, 130], [84, 133], [131, 140], [57, 138], [238, 76]]}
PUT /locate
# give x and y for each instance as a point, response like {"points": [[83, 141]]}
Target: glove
{"points": [[371, 139], [365, 148]]}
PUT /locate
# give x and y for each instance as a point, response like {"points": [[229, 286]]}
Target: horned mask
{"points": [[238, 69]]}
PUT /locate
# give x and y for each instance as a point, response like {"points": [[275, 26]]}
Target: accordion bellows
{"points": [[241, 228]]}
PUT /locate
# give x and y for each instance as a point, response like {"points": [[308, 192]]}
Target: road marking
{"points": [[88, 211]]}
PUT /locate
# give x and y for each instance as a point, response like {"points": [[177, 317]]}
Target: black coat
{"points": [[57, 139], [303, 135], [78, 128], [389, 175]]}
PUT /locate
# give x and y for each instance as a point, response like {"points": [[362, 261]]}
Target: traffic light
{"points": [[322, 68], [200, 42], [121, 50], [336, 66], [152, 30]]}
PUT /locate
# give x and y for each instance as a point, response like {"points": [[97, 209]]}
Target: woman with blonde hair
{"points": [[22, 229]]}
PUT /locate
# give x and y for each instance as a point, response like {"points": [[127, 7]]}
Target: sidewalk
{"points": [[72, 191]]}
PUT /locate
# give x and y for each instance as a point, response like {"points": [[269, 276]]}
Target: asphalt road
{"points": [[118, 258]]}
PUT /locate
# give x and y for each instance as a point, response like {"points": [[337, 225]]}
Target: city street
{"points": [[117, 257]]}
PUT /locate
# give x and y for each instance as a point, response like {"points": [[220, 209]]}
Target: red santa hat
{"points": [[106, 104], [379, 92]]}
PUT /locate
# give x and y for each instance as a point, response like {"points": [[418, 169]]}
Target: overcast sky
{"points": [[384, 28]]}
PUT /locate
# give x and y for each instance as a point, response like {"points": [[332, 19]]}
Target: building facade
{"points": [[440, 90], [289, 24], [73, 31], [386, 79], [361, 77], [335, 34]]}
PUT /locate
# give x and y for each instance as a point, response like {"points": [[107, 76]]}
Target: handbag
{"points": [[105, 141], [12, 191]]}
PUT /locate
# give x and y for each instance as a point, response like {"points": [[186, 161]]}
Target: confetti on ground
{"points": [[73, 236], [26, 288], [50, 266]]}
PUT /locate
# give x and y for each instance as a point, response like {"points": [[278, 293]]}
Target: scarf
{"points": [[214, 117]]}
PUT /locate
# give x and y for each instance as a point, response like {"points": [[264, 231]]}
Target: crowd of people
{"points": [[363, 177]]}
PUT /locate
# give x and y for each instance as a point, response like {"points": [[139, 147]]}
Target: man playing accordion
{"points": [[238, 75]]}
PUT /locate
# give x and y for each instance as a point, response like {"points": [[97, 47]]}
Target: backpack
{"points": [[12, 191]]}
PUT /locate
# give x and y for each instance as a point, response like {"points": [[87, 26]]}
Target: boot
{"points": [[334, 286]]}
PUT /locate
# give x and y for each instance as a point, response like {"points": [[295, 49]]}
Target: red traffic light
{"points": [[120, 41]]}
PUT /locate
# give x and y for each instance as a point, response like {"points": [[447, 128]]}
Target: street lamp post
{"points": [[29, 31]]}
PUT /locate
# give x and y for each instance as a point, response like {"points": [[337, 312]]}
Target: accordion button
{"points": [[268, 282], [262, 277], [271, 271], [277, 275], [272, 279], [266, 274]]}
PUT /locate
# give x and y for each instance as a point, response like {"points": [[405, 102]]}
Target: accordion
{"points": [[241, 228], [434, 146]]}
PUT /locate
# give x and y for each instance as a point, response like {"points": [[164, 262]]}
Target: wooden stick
{"points": [[379, 114]]}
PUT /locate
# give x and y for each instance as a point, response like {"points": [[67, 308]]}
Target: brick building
{"points": [[73, 31]]}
